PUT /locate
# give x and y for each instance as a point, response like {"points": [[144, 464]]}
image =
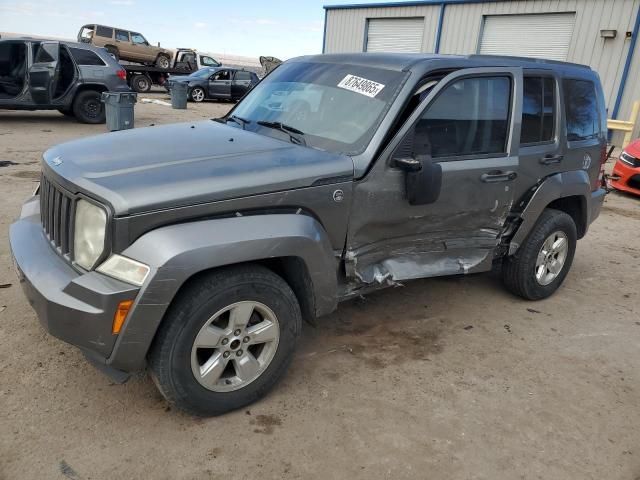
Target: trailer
{"points": [[185, 61]]}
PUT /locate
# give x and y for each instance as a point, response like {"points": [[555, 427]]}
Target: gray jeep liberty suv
{"points": [[197, 249]]}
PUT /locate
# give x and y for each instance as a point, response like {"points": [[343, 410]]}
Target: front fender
{"points": [[565, 184], [177, 252]]}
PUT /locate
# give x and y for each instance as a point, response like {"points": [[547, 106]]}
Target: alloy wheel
{"points": [[197, 94], [551, 257], [235, 346]]}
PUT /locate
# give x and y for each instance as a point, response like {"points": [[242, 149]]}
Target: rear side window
{"points": [[243, 76], [469, 117], [538, 110], [104, 32], [583, 121], [122, 35], [86, 57]]}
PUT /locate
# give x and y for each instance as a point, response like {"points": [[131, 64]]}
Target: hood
{"points": [[184, 164]]}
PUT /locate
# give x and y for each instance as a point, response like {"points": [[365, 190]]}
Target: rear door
{"points": [[44, 73], [220, 84], [541, 151], [463, 132], [241, 84]]}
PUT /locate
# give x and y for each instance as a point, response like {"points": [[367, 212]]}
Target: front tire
{"points": [[226, 340], [163, 61], [197, 94], [88, 107], [543, 261]]}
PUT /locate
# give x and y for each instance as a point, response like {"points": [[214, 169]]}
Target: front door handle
{"points": [[498, 176], [551, 159]]}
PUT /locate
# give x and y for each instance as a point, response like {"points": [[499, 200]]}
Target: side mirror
{"points": [[423, 180], [407, 164]]}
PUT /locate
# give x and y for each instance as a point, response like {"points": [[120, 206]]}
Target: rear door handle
{"points": [[498, 176], [551, 159]]}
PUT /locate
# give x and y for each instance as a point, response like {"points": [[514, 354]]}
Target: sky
{"points": [[280, 28]]}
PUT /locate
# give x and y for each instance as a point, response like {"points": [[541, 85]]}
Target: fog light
{"points": [[121, 314], [125, 269]]}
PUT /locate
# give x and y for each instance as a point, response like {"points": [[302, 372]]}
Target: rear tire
{"points": [[88, 107], [212, 379], [141, 83], [538, 268]]}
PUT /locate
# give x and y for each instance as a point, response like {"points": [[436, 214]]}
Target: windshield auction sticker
{"points": [[361, 85]]}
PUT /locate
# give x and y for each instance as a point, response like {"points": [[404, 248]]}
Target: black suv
{"points": [[52, 75], [198, 248]]}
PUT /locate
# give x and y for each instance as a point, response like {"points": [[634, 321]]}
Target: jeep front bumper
{"points": [[75, 307]]}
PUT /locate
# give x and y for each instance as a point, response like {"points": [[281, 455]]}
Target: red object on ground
{"points": [[626, 171]]}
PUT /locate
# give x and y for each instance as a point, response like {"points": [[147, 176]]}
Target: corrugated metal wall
{"points": [[346, 29], [345, 32]]}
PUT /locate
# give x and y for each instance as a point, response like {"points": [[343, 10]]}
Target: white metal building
{"points": [[599, 33]]}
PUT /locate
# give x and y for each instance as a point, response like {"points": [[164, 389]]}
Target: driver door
{"points": [[44, 73], [220, 84], [436, 200]]}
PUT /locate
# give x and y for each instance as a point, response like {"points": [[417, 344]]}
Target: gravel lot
{"points": [[449, 378]]}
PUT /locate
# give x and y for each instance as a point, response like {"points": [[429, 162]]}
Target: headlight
{"points": [[125, 269], [89, 231]]}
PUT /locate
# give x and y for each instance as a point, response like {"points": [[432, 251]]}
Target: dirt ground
{"points": [[448, 378]]}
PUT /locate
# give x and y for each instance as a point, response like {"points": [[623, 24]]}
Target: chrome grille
{"points": [[55, 214]]}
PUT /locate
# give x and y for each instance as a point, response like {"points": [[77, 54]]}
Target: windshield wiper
{"points": [[239, 120], [294, 134]]}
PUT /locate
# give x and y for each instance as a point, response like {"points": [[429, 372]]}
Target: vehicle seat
{"points": [[13, 83]]}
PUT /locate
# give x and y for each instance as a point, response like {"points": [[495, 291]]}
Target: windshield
{"points": [[337, 107], [203, 72]]}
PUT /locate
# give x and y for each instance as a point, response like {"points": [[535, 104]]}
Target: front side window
{"points": [[538, 110], [337, 107], [469, 117], [47, 53], [583, 121], [122, 35], [221, 76], [138, 39]]}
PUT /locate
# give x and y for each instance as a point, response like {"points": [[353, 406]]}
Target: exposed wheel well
{"points": [[576, 207], [293, 270], [91, 86]]}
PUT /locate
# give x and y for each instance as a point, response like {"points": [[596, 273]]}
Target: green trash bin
{"points": [[119, 109], [179, 95]]}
